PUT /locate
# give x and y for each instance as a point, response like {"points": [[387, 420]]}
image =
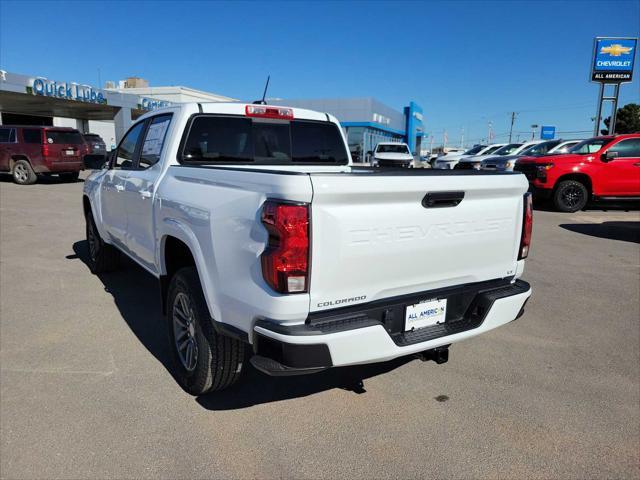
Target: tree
{"points": [[627, 120]]}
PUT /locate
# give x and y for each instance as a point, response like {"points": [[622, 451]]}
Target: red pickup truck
{"points": [[601, 168]]}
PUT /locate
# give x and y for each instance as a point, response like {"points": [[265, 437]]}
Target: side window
{"points": [[7, 135], [32, 135], [627, 148], [154, 141], [127, 149]]}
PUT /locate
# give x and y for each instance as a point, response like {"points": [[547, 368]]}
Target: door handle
{"points": [[120, 188], [637, 164], [442, 199], [145, 193]]}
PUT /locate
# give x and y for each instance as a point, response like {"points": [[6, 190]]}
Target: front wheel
{"points": [[570, 196], [102, 256], [205, 360]]}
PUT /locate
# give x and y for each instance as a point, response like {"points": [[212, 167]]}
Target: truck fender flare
{"points": [[175, 228]]}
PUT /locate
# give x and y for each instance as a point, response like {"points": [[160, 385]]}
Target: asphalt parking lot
{"points": [[86, 389]]}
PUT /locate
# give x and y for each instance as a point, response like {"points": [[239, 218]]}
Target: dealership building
{"points": [[109, 111], [35, 100], [366, 122]]}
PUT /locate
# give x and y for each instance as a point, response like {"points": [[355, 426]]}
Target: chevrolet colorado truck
{"points": [[600, 168], [269, 245]]}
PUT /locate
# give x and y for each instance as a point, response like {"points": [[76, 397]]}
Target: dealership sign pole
{"points": [[613, 60]]}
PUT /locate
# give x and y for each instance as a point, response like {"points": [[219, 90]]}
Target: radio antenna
{"points": [[264, 94]]}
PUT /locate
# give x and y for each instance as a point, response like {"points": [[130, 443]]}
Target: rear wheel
{"points": [[205, 360], [23, 174], [102, 256], [70, 177], [570, 196]]}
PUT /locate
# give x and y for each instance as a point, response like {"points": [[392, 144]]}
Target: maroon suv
{"points": [[27, 152]]}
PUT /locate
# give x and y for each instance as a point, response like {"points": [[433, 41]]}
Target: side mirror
{"points": [[608, 156]]}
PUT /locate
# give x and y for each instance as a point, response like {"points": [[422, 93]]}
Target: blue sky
{"points": [[466, 63]]}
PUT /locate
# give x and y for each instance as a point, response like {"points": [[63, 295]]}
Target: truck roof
{"points": [[239, 108]]}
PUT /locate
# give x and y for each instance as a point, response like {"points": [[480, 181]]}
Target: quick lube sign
{"points": [[67, 91], [613, 59]]}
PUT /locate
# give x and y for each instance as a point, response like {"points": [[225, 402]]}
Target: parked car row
{"points": [[31, 151], [507, 155], [568, 172]]}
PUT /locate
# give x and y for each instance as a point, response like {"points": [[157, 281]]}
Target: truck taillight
{"points": [[266, 111], [527, 227], [45, 150], [285, 262]]}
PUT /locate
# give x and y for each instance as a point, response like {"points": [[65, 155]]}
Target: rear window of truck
{"points": [[62, 137], [212, 139]]}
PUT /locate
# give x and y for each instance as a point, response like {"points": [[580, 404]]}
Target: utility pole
{"points": [[490, 134], [513, 119], [462, 139]]}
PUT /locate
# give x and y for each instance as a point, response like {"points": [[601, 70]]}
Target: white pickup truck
{"points": [[266, 241], [392, 154]]}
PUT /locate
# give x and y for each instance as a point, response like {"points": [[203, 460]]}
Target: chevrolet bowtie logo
{"points": [[616, 50]]}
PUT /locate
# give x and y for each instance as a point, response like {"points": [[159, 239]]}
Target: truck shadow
{"points": [[624, 231], [602, 206], [42, 180], [136, 294]]}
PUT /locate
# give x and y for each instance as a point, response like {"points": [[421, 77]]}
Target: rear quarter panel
{"points": [[216, 212]]}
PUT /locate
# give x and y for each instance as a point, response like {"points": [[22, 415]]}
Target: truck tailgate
{"points": [[372, 237]]}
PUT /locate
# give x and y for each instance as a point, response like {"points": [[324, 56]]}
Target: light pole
{"points": [[513, 119]]}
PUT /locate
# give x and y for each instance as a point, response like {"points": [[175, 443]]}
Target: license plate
{"points": [[69, 152], [425, 314]]}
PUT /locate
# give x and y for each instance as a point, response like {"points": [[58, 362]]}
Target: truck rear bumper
{"points": [[374, 333]]}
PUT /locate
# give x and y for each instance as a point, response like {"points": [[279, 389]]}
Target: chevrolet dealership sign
{"points": [[613, 60]]}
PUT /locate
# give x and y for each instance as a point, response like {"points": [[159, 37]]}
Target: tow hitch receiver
{"points": [[439, 355]]}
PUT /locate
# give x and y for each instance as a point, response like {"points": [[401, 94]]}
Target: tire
{"points": [[102, 256], [570, 196], [205, 361], [70, 177], [23, 174]]}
